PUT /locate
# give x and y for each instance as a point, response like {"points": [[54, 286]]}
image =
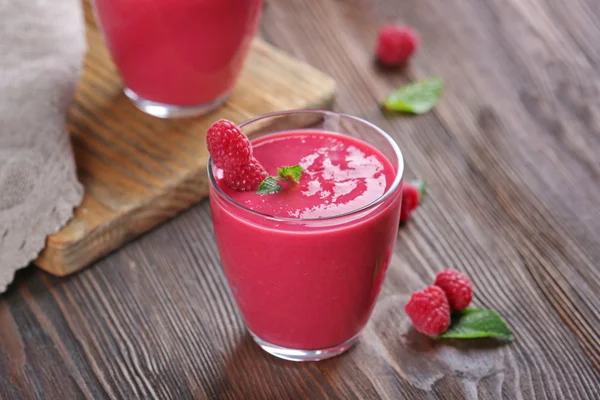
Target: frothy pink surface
{"points": [[341, 174]]}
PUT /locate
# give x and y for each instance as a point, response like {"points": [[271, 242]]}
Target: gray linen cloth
{"points": [[42, 43]]}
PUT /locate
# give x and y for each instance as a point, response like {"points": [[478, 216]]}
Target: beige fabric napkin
{"points": [[42, 43]]}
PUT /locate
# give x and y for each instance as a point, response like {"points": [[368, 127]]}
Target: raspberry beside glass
{"points": [[305, 265]]}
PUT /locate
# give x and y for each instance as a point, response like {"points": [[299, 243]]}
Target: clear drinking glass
{"points": [[178, 58], [306, 287]]}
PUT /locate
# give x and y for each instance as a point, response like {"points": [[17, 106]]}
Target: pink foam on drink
{"points": [[310, 284], [341, 174], [180, 52]]}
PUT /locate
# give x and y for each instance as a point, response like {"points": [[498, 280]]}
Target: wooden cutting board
{"points": [[138, 170]]}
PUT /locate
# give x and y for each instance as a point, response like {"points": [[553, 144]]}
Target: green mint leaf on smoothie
{"points": [[416, 98], [474, 323], [269, 185], [291, 173]]}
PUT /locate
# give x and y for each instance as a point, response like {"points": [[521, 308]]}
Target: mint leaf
{"points": [[474, 323], [291, 173], [268, 185], [271, 183], [416, 98]]}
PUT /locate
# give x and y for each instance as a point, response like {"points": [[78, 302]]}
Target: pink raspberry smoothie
{"points": [[179, 52], [306, 264]]}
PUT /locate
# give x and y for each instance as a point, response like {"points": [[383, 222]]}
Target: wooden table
{"points": [[512, 154]]}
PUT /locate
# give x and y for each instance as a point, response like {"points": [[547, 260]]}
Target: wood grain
{"points": [[138, 170], [511, 155]]}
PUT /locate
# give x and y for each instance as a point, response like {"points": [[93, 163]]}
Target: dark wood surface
{"points": [[512, 156]]}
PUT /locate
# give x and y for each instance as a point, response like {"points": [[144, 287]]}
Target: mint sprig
{"points": [[473, 323], [416, 98], [270, 184], [292, 173]]}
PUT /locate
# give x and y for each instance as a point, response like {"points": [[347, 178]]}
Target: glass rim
{"points": [[379, 200]]}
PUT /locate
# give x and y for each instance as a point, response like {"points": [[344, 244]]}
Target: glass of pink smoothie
{"points": [[178, 58], [305, 265]]}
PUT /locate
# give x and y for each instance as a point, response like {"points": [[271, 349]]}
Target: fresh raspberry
{"points": [[396, 44], [429, 311], [228, 146], [457, 286], [413, 194], [245, 178]]}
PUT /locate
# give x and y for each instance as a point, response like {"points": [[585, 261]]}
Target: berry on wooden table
{"points": [[429, 311], [228, 146], [396, 44], [457, 286], [413, 194]]}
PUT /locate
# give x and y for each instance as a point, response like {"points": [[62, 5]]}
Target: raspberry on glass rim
{"points": [[231, 151], [227, 145], [245, 178]]}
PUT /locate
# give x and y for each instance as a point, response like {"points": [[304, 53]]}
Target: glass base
{"points": [[161, 110], [304, 355]]}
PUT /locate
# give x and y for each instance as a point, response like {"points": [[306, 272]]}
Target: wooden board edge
{"points": [[69, 258]]}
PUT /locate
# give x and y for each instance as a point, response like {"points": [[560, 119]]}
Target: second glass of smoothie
{"points": [[305, 265], [178, 58]]}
